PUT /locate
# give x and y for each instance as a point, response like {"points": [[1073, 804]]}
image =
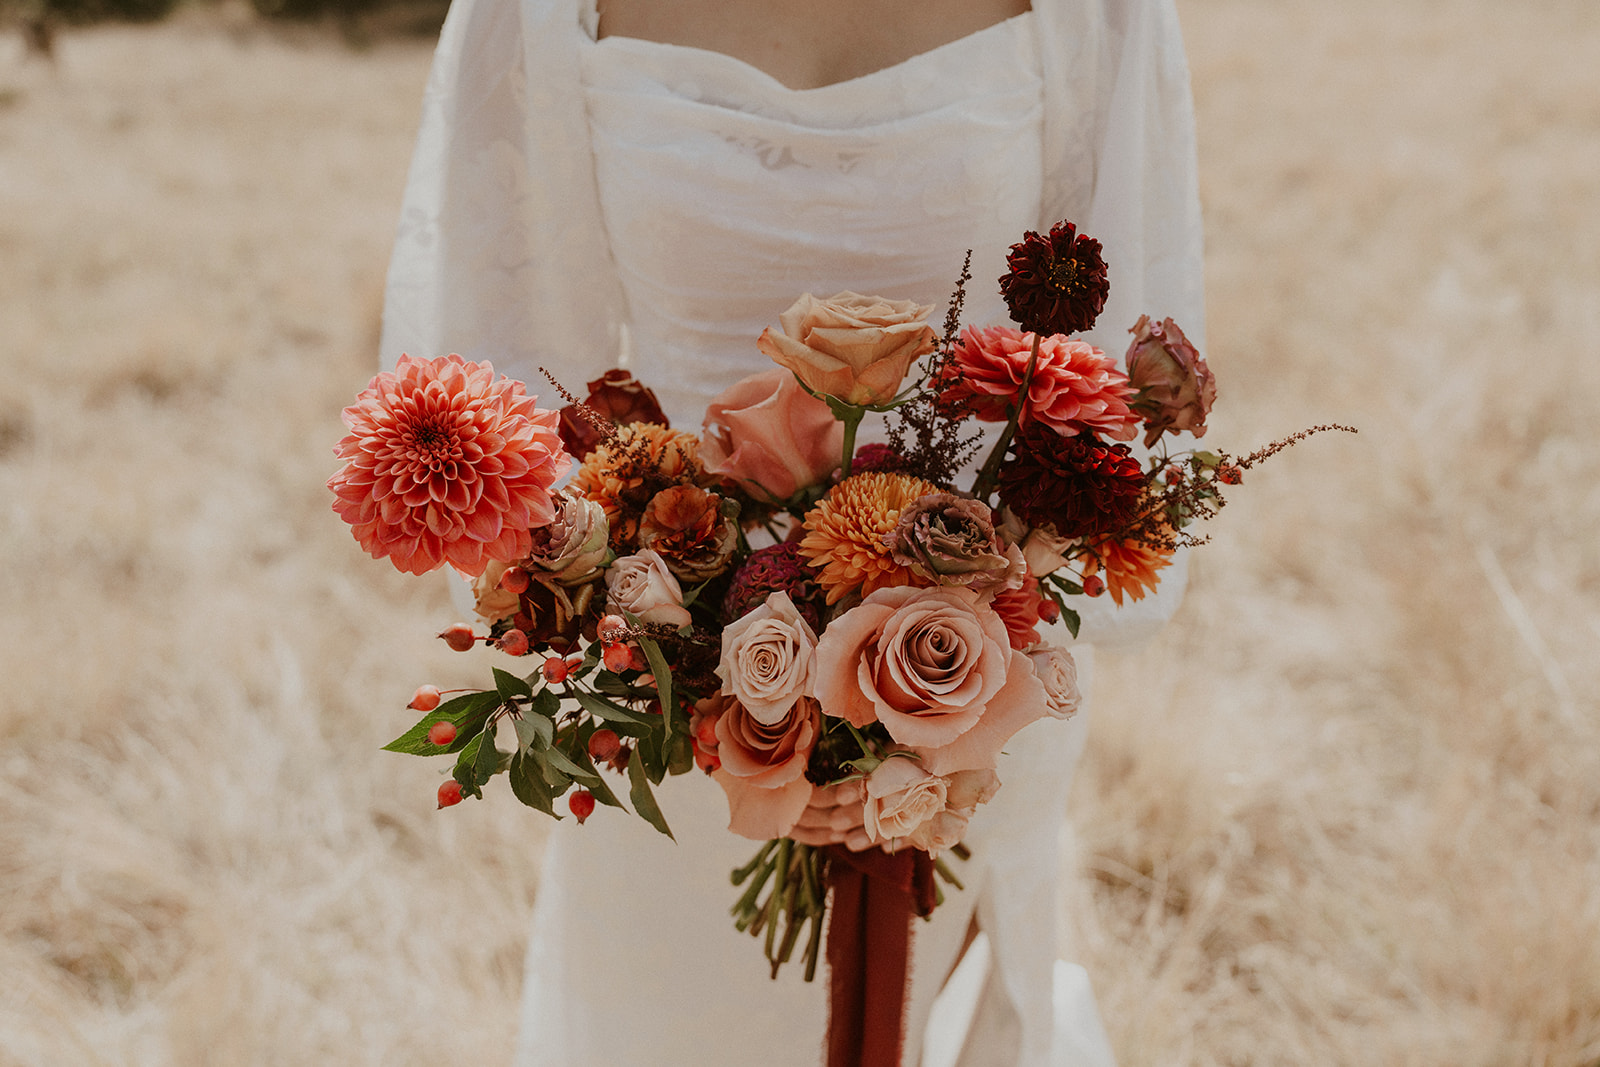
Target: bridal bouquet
{"points": [[844, 638]]}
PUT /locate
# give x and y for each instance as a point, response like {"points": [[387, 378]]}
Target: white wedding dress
{"points": [[577, 203]]}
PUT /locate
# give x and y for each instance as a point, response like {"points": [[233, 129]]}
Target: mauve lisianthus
{"points": [[1074, 387], [1176, 388], [951, 540], [445, 464], [1078, 485], [1055, 284], [845, 533]]}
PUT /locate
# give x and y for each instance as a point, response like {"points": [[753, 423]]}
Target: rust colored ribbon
{"points": [[875, 897]]}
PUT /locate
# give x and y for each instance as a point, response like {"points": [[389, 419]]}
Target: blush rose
{"points": [[642, 585], [768, 657], [770, 436]]}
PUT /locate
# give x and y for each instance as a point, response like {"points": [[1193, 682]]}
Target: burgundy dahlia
{"points": [[778, 568], [1079, 485], [1055, 284]]}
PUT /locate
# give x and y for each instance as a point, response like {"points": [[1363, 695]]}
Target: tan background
{"points": [[1345, 811]]}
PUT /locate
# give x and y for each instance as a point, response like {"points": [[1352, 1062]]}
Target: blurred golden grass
{"points": [[1346, 810]]}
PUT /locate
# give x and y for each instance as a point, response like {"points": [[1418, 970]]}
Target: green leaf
{"points": [[467, 713], [546, 704], [465, 770], [559, 760], [511, 687], [558, 781], [487, 761], [1072, 620], [602, 708], [663, 676], [680, 754], [644, 801], [527, 782], [533, 731]]}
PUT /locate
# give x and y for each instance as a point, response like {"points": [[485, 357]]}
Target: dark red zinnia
{"points": [[1079, 485], [1055, 284]]}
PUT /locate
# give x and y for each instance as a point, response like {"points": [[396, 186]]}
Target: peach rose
{"points": [[1058, 671], [771, 437], [964, 791], [767, 658], [934, 666], [763, 767], [853, 347], [901, 797], [642, 585]]}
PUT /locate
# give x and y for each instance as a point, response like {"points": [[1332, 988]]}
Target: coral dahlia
{"points": [[446, 464], [1055, 284], [846, 533], [1074, 387]]}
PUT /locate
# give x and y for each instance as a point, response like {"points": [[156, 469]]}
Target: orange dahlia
{"points": [[846, 533], [444, 464], [625, 473], [1130, 567]]}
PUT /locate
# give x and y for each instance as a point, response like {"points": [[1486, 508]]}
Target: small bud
{"points": [[581, 804], [514, 580], [442, 733], [513, 643], [555, 670], [449, 793], [459, 636], [1093, 586], [618, 658], [426, 698], [604, 744]]}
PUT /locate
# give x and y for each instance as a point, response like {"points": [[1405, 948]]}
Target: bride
{"points": [[652, 183]]}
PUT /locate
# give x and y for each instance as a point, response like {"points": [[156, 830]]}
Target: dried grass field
{"points": [[1345, 811]]}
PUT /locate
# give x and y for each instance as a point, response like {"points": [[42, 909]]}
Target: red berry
{"points": [[604, 744], [513, 643], [442, 733], [1093, 586], [581, 804], [514, 580], [1229, 475], [449, 793], [459, 636], [556, 670], [618, 658], [426, 698], [609, 625]]}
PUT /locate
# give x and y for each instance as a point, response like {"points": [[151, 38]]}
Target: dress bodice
{"points": [[726, 195]]}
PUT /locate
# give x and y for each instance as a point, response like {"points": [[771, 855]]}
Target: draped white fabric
{"points": [[570, 199]]}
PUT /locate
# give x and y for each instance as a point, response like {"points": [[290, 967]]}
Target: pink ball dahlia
{"points": [[444, 464], [1075, 386]]}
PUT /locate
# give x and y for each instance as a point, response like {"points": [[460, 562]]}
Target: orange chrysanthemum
{"points": [[1130, 567], [625, 473], [845, 533], [444, 464]]}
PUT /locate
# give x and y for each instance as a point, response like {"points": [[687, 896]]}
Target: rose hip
{"points": [[514, 580], [610, 625], [442, 733], [581, 804], [618, 658], [556, 669], [449, 793], [513, 643], [459, 636], [1093, 586], [604, 744], [425, 699]]}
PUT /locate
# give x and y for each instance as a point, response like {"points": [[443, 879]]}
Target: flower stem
{"points": [[989, 476], [851, 416]]}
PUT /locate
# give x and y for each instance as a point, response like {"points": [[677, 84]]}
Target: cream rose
{"points": [[642, 585], [1058, 671], [767, 658], [490, 601], [853, 347], [901, 797]]}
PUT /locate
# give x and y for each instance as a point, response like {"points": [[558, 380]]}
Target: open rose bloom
{"points": [[844, 641]]}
